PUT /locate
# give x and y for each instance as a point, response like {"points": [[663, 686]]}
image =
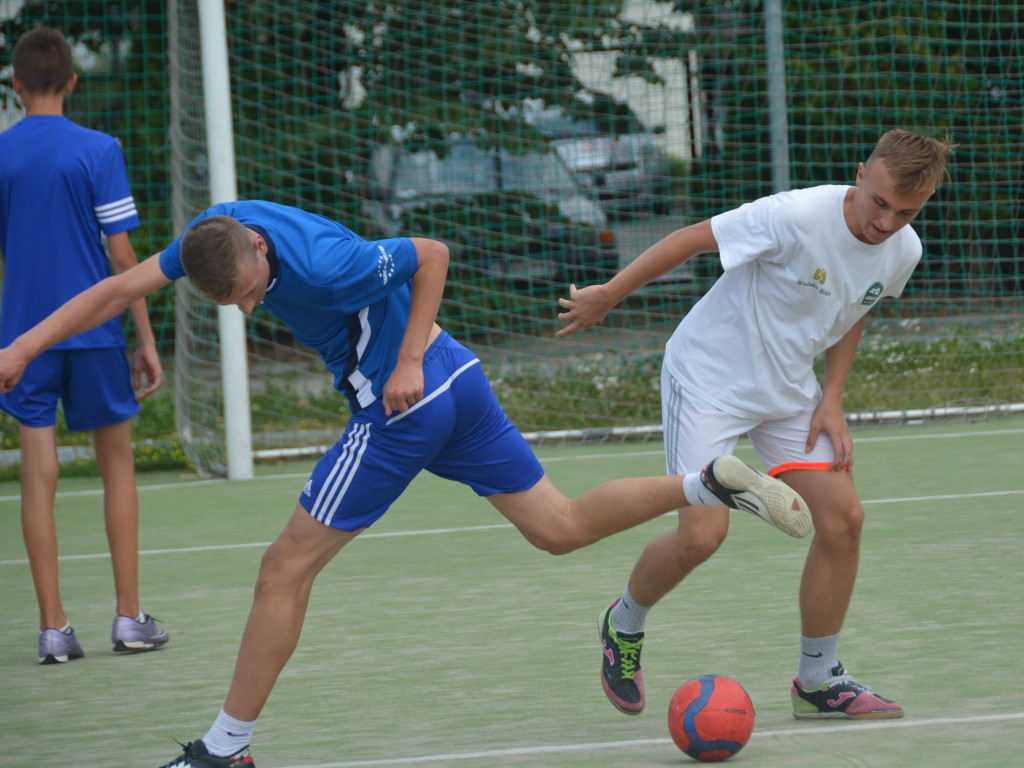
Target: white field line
{"points": [[816, 730], [548, 460], [470, 528]]}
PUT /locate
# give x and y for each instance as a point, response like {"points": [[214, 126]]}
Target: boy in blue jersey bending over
{"points": [[61, 186], [419, 400]]}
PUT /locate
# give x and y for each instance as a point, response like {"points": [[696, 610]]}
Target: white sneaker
{"points": [[739, 486]]}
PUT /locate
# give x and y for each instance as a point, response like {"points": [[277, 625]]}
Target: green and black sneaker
{"points": [[621, 677]]}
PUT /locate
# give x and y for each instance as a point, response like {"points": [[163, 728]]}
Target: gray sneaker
{"points": [[56, 647], [740, 486], [129, 635]]}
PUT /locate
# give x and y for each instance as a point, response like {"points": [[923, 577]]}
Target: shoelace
{"points": [[629, 650], [184, 755], [847, 680]]}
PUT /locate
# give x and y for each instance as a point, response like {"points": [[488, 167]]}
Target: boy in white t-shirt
{"points": [[802, 270]]}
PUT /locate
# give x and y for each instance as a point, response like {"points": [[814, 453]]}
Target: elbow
{"points": [[440, 254], [431, 253]]}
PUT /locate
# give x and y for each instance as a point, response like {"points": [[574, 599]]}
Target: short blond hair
{"points": [[213, 251], [914, 161]]}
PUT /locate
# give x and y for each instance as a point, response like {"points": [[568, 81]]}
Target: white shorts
{"points": [[697, 432]]}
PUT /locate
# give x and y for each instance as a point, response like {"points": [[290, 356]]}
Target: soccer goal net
{"points": [[552, 142]]}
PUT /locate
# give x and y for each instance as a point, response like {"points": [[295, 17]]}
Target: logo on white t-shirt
{"points": [[818, 282], [874, 293]]}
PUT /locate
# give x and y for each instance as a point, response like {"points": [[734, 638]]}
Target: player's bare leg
{"points": [[551, 521], [665, 562], [831, 568], [557, 524], [670, 558], [287, 572], [825, 591], [120, 511], [39, 472], [281, 596], [132, 630]]}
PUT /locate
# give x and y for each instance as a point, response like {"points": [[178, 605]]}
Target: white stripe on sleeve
{"points": [[116, 211]]}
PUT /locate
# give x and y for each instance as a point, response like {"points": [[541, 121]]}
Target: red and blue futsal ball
{"points": [[711, 718]]}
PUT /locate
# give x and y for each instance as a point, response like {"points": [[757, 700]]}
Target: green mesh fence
{"points": [[550, 142]]}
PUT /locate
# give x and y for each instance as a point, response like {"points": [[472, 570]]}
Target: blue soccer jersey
{"points": [[61, 186], [343, 296]]}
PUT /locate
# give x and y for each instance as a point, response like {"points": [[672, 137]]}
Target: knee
{"points": [[841, 525], [700, 542], [555, 542], [40, 474], [560, 534], [275, 573]]}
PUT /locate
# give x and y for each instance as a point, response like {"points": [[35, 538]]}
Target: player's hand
{"points": [[404, 388], [146, 365], [12, 366], [828, 418], [585, 307]]}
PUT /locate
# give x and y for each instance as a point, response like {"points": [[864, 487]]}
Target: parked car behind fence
{"points": [[515, 221], [629, 172]]}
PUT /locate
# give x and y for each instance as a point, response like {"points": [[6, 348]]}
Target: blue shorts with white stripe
{"points": [[457, 431]]}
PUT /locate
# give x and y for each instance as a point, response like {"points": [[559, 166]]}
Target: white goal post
{"points": [[220, 152]]}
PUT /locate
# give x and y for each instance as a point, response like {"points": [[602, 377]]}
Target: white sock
{"points": [[228, 736], [628, 616], [817, 657], [141, 618], [697, 494]]}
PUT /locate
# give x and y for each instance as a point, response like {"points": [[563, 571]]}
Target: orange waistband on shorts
{"points": [[812, 465]]}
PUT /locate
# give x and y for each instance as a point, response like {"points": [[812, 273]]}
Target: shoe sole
{"points": [[136, 647], [787, 510], [604, 683], [611, 697], [51, 659], [891, 714]]}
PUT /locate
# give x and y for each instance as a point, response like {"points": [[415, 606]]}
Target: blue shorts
{"points": [[93, 385], [457, 431]]}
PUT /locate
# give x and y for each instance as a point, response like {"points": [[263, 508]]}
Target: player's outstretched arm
{"points": [[106, 299], [588, 306]]}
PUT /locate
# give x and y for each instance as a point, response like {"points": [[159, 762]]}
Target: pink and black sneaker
{"points": [[841, 697], [621, 677]]}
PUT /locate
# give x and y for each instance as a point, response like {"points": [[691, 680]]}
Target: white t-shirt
{"points": [[796, 280]]}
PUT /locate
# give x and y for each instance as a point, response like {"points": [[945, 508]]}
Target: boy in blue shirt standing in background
{"points": [[62, 187]]}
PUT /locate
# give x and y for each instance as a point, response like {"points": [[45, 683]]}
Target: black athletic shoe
{"points": [[196, 756], [621, 677]]}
